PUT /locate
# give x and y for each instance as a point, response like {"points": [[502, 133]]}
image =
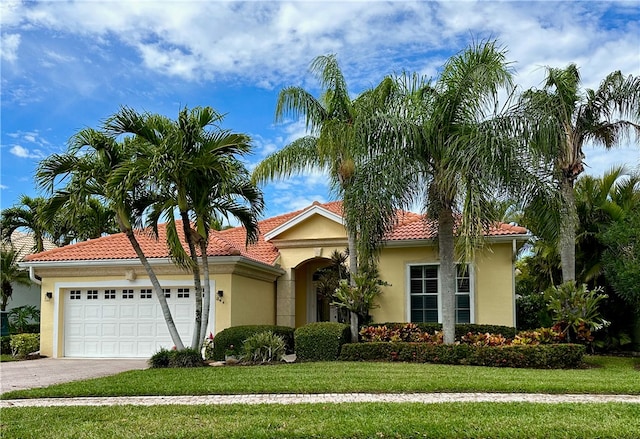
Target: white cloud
{"points": [[2, 186], [9, 47], [22, 152], [269, 42]]}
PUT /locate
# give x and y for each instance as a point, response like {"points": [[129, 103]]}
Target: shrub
{"points": [[321, 341], [236, 335], [24, 344], [185, 358], [160, 359], [555, 356], [5, 344], [538, 336], [575, 310], [263, 347], [173, 358], [416, 331], [532, 312], [486, 339]]}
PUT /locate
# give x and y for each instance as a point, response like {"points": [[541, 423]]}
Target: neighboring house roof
{"points": [[24, 243], [231, 242]]}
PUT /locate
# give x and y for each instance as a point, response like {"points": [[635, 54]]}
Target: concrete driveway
{"points": [[17, 375]]}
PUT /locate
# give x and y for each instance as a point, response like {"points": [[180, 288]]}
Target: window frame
{"points": [[472, 294]]}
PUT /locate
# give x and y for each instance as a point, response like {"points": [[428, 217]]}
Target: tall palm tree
{"points": [[88, 169], [449, 141], [329, 146], [194, 166], [10, 273], [333, 145], [572, 117], [26, 214]]}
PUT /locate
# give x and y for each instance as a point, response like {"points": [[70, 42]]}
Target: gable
{"points": [[314, 226], [316, 222]]}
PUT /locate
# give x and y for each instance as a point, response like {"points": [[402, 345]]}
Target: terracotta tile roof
{"points": [[419, 227], [231, 242]]}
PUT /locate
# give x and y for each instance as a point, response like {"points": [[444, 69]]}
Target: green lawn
{"points": [[602, 375], [363, 420], [451, 420]]}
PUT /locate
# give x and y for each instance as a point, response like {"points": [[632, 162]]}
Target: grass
{"points": [[602, 375], [450, 420], [7, 357]]}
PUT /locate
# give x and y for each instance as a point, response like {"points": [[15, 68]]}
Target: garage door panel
{"points": [[121, 325], [109, 348], [127, 330], [92, 330], [74, 312], [109, 330], [146, 311], [183, 311], [146, 329], [92, 311], [127, 311], [109, 311]]}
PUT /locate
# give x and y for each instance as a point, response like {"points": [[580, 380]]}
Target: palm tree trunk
{"points": [[166, 312], [353, 270], [195, 269], [353, 256], [447, 274], [206, 306], [567, 242]]}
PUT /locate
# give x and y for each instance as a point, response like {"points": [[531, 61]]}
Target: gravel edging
{"points": [[325, 398]]}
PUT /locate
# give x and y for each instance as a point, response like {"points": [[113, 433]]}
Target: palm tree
{"points": [[10, 273], [332, 146], [329, 147], [570, 118], [195, 170], [449, 141], [89, 169], [601, 202], [26, 214]]}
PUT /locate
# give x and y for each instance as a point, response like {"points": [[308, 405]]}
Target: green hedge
{"points": [[554, 356], [176, 358], [321, 341], [24, 344], [236, 335], [461, 329]]}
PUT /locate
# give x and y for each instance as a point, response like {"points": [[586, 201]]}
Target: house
{"points": [[23, 243], [97, 299]]}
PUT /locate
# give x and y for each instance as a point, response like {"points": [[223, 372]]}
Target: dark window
{"points": [[183, 292], [424, 292]]}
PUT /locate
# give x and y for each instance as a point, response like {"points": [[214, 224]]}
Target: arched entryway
{"points": [[313, 296]]}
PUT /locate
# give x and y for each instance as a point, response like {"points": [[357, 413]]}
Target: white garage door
{"points": [[123, 322]]}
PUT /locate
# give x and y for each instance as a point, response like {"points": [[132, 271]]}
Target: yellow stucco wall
{"points": [[493, 287], [252, 301], [314, 227], [392, 267], [495, 298]]}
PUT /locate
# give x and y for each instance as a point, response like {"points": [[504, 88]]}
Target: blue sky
{"points": [[68, 65]]}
